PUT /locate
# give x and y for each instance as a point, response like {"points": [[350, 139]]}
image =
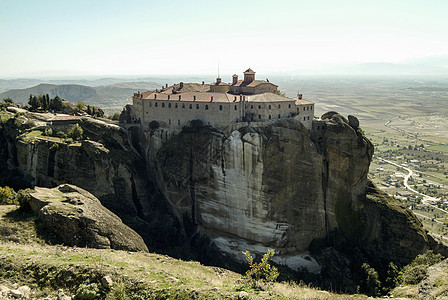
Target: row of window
{"points": [[190, 106]]}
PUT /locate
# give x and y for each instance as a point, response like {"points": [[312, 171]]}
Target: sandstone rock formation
{"points": [[255, 186], [275, 185], [79, 219]]}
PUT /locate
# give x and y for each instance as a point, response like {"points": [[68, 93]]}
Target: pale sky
{"points": [[141, 37]]}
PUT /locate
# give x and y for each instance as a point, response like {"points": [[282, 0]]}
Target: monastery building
{"points": [[219, 104]]}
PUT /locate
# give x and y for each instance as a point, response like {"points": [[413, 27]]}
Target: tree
{"points": [[80, 106], [75, 132], [261, 272], [34, 102], [56, 104], [370, 283]]}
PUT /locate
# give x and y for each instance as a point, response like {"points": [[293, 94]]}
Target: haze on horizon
{"points": [[139, 37]]}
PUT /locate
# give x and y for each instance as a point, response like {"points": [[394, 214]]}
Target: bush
{"points": [[370, 283], [7, 196], [262, 272], [88, 291], [416, 270], [75, 132]]}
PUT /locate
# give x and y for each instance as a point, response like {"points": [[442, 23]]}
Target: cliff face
{"points": [[266, 185], [275, 186]]}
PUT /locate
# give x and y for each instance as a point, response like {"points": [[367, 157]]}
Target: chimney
{"points": [[218, 80], [234, 79], [168, 97], [194, 97], [300, 96], [211, 99], [179, 97], [181, 85], [166, 85], [155, 96]]}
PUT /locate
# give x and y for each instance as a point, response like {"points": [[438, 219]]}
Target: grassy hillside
{"points": [[27, 259]]}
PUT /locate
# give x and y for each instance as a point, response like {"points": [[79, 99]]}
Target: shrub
{"points": [[75, 132], [416, 270], [262, 272], [7, 196], [370, 283], [88, 291]]}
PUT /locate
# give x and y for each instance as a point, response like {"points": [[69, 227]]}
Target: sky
{"points": [[141, 37]]}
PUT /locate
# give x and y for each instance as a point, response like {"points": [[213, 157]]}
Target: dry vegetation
{"points": [[25, 258]]}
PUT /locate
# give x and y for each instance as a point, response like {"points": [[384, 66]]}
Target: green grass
{"points": [[45, 268]]}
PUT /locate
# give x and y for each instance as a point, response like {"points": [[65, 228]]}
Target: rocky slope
{"points": [[250, 187]]}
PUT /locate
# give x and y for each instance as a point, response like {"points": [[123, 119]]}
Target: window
{"points": [[178, 122], [269, 106], [150, 104], [269, 117], [259, 106], [279, 116], [304, 118], [175, 105], [289, 105], [197, 106], [251, 107], [169, 105], [308, 117], [259, 116], [191, 106], [311, 108], [169, 121], [279, 106], [206, 107], [304, 108], [235, 107], [318, 128], [307, 108], [220, 107], [163, 104], [155, 104], [183, 105]]}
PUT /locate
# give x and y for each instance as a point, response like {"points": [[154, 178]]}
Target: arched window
{"points": [[220, 107], [259, 116], [175, 105], [307, 108], [304, 118], [183, 105], [155, 104], [279, 116], [279, 106], [235, 107], [304, 108], [169, 105], [308, 117], [289, 105], [269, 106], [206, 107], [251, 107], [259, 106], [269, 117], [163, 104]]}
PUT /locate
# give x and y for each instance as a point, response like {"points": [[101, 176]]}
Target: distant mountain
{"points": [[109, 97]]}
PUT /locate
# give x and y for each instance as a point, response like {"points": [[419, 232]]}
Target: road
{"points": [[426, 198]]}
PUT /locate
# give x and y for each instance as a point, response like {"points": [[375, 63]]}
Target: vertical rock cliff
{"points": [[252, 187]]}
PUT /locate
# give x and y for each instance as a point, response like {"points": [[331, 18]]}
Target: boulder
{"points": [[79, 219]]}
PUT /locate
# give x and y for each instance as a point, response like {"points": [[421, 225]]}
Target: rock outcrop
{"points": [[79, 219], [255, 186], [275, 185]]}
